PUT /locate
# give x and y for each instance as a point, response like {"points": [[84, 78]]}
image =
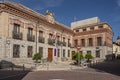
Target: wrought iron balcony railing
{"points": [[59, 43], [17, 35], [51, 41], [30, 37], [64, 43], [41, 39], [69, 44]]}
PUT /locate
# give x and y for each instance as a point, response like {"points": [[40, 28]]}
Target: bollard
{"points": [[23, 67]]}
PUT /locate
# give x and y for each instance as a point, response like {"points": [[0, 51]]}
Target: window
{"points": [[83, 42], [63, 39], [84, 30], [40, 33], [100, 26], [68, 53], [41, 51], [58, 38], [92, 28], [76, 42], [77, 30], [68, 40], [30, 51], [58, 53], [16, 51], [90, 42], [98, 54], [63, 52], [50, 36], [99, 41], [30, 31], [16, 28]]}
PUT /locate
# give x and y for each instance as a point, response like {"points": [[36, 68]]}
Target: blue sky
{"points": [[66, 10]]}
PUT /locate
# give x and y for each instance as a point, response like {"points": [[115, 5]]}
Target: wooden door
{"points": [[50, 54]]}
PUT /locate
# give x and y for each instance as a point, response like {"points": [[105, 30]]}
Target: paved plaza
{"points": [[101, 71]]}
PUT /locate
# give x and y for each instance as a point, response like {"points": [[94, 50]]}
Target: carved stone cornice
{"points": [[26, 13], [29, 25], [16, 21]]}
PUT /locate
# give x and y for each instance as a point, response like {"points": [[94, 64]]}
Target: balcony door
{"points": [[16, 28]]}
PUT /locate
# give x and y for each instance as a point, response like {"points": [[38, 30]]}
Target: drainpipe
{"points": [[36, 35]]}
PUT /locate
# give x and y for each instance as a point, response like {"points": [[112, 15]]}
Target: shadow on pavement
{"points": [[10, 71], [112, 67], [12, 75]]}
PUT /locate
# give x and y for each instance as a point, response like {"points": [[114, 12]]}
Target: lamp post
{"points": [[56, 48]]}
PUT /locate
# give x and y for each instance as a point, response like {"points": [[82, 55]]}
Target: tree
{"points": [[88, 56], [75, 56], [37, 57]]}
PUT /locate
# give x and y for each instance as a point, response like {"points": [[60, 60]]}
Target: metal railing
{"points": [[17, 35]]}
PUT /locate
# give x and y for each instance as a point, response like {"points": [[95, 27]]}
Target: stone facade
{"points": [[24, 32], [11, 15]]}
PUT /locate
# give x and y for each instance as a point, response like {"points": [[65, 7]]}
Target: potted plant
{"points": [[37, 57], [75, 57], [88, 56]]}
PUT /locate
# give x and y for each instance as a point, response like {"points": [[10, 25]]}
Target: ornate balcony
{"points": [[17, 35], [59, 43], [69, 44], [41, 39], [64, 43], [51, 41], [30, 37]]}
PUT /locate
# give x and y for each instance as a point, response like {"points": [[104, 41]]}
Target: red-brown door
{"points": [[50, 54]]}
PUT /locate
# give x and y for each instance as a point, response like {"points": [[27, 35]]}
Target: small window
{"points": [[16, 28], [99, 41], [77, 30], [30, 31], [100, 26], [83, 42], [16, 51], [63, 39], [84, 30], [63, 52], [30, 51], [92, 28], [41, 51], [98, 54], [40, 33]]}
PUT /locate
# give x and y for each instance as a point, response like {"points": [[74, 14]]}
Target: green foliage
{"points": [[37, 57], [88, 56], [75, 56]]}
